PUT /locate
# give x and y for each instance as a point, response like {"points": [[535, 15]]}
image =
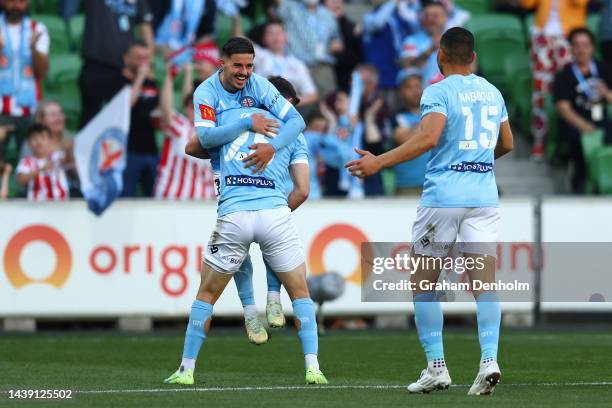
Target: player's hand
{"points": [[365, 166], [264, 152], [264, 126]]}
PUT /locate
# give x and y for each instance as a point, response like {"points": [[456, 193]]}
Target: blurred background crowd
{"points": [[359, 68]]}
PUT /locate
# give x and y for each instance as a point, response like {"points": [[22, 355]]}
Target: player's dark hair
{"points": [[36, 129], [285, 88], [458, 45], [237, 45], [579, 31]]}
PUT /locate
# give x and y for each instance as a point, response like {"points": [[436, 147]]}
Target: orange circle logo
{"points": [[14, 248], [330, 234]]}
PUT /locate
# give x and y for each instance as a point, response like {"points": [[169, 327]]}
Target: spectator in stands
{"points": [[43, 172], [410, 175], [316, 126], [51, 115], [5, 173], [420, 50], [313, 36], [350, 56], [582, 93], [384, 29], [374, 114], [549, 53], [206, 58], [142, 153], [457, 17], [108, 35], [274, 61], [180, 177], [24, 63], [177, 28], [337, 147]]}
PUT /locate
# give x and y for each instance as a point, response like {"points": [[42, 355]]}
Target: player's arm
{"points": [[294, 125], [425, 137], [300, 175], [194, 148], [505, 142]]}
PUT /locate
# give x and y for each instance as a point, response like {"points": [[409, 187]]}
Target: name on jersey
{"points": [[249, 181], [474, 167], [476, 96]]}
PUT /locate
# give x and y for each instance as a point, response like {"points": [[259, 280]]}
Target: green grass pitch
{"points": [[539, 368]]}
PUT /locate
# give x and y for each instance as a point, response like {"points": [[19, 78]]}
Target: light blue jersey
{"points": [[210, 99], [460, 169], [241, 190]]}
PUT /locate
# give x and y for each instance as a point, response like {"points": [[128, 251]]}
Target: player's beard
{"points": [[14, 16]]}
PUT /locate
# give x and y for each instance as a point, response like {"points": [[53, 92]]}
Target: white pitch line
{"points": [[326, 387]]}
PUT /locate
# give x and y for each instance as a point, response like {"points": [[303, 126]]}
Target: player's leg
{"points": [[434, 232], [243, 279], [227, 248], [274, 307], [281, 248], [479, 232]]}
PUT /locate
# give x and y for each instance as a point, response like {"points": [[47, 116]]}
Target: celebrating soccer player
{"points": [[251, 208], [465, 125]]}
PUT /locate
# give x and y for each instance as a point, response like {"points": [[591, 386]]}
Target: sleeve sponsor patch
{"points": [[207, 112]]}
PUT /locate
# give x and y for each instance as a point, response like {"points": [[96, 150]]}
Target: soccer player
{"points": [[465, 125], [297, 190], [252, 209]]}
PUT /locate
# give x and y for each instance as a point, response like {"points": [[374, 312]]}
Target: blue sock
{"points": [[244, 282], [195, 335], [274, 284], [489, 319], [429, 321], [305, 312]]}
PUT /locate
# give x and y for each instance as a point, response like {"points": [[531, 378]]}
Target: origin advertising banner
{"points": [[142, 258]]}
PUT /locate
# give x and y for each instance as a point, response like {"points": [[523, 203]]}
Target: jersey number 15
{"points": [[489, 131]]}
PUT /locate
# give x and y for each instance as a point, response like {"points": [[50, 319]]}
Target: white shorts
{"points": [[436, 229], [272, 229]]}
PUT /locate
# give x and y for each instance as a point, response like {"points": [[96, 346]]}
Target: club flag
{"points": [[100, 150]]}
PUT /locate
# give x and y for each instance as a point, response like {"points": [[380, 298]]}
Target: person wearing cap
{"points": [[410, 175], [206, 58], [420, 50]]}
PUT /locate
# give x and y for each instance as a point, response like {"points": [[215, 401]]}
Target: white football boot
{"points": [[488, 377], [431, 379]]}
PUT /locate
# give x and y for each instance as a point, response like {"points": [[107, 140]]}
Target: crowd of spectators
{"points": [[359, 82]]}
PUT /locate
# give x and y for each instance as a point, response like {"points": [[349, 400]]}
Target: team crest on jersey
{"points": [[247, 102]]}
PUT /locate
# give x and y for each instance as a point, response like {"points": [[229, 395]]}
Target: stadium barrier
{"points": [[142, 258]]}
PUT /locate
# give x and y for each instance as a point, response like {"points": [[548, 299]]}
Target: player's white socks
{"points": [[273, 297], [436, 365], [311, 360], [187, 364], [250, 311]]}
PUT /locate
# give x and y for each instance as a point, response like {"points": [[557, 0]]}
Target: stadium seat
{"points": [[62, 67], [76, 28], [604, 170], [60, 43], [591, 144], [475, 6], [493, 46], [593, 26], [498, 22], [224, 28], [44, 6], [517, 67]]}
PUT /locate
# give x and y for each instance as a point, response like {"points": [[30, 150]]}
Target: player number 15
{"points": [[488, 137]]}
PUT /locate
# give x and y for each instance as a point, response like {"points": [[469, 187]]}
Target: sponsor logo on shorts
{"points": [[473, 167], [249, 181]]}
